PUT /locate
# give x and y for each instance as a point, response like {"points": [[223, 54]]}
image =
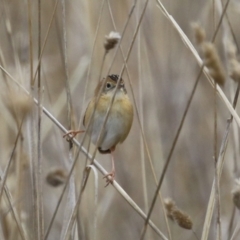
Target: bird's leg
{"points": [[110, 176], [72, 134]]}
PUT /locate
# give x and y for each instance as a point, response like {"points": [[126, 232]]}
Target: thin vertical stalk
{"points": [[220, 163], [16, 217], [91, 58], [30, 41], [170, 153], [45, 40], [4, 178], [142, 152], [217, 193], [38, 166], [71, 198]]}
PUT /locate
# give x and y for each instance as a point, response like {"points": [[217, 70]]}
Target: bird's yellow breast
{"points": [[119, 120]]}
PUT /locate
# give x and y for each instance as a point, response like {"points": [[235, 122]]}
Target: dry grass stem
{"points": [[71, 123], [219, 167], [45, 41], [169, 157], [4, 178], [96, 189], [236, 230], [16, 217], [91, 59], [52, 56]]}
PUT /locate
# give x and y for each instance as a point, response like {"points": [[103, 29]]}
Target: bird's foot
{"points": [[109, 178], [72, 134]]}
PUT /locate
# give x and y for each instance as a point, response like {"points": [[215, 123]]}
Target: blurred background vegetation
{"points": [[162, 72]]}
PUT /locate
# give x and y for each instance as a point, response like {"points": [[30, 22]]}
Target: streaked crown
{"points": [[111, 84]]}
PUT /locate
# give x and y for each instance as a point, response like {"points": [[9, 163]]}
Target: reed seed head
{"points": [[111, 40], [211, 58], [56, 177], [182, 219], [213, 62], [175, 214], [199, 33]]}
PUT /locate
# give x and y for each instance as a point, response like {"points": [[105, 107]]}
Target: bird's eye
{"points": [[109, 85]]}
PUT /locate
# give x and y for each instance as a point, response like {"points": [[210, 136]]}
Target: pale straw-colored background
{"points": [[162, 72]]}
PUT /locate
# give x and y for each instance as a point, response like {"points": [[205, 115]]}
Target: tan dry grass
{"points": [[165, 69]]}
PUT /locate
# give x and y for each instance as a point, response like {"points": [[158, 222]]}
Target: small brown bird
{"points": [[119, 120]]}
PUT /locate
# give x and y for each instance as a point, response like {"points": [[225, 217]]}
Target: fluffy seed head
{"points": [[169, 206], [177, 215], [111, 40], [213, 62], [56, 177], [182, 219], [199, 33]]}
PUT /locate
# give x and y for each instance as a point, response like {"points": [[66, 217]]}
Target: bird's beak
{"points": [[122, 88]]}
